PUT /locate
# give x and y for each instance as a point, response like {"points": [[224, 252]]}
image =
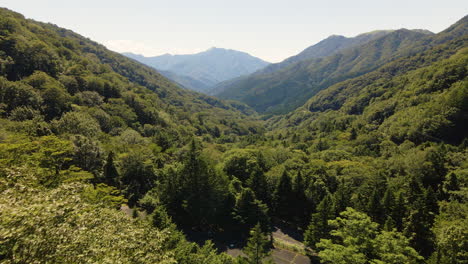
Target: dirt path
{"points": [[280, 255], [283, 255]]}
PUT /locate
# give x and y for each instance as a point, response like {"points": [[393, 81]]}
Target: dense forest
{"points": [[103, 160]]}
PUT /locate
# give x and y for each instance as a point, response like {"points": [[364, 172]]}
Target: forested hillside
{"points": [[283, 90], [104, 160]]}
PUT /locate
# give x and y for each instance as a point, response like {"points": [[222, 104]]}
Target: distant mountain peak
{"points": [[201, 71]]}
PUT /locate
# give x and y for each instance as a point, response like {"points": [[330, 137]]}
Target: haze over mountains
{"points": [[203, 70]]}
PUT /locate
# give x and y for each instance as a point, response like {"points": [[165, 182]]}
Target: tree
{"points": [[258, 246], [451, 232], [52, 157], [451, 185], [248, 211], [56, 101], [300, 205], [283, 197], [357, 240], [341, 198], [388, 205], [201, 188], [78, 123], [257, 182], [418, 228], [318, 227], [88, 154], [137, 175], [111, 175], [72, 230], [374, 208], [392, 247], [399, 212]]}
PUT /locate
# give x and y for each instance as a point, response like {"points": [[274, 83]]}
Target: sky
{"points": [[269, 29]]}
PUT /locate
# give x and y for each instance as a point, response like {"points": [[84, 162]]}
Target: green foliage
{"points": [[450, 232], [57, 225], [360, 242]]}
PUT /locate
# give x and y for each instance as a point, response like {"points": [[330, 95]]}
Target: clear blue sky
{"points": [[270, 29]]}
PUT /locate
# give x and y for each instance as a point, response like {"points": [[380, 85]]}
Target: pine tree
{"points": [[318, 227], [258, 246], [415, 190], [389, 224], [283, 197], [353, 134], [388, 204], [451, 185], [399, 212], [341, 198], [300, 200], [418, 228], [374, 208], [111, 176], [431, 203], [257, 182], [200, 188], [249, 211]]}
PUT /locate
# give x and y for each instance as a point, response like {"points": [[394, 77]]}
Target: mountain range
{"points": [[201, 71], [280, 88]]}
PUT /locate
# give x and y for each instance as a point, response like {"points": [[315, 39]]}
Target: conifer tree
{"points": [[415, 190], [200, 187], [258, 246], [318, 227], [374, 208], [451, 185], [388, 204], [249, 211], [399, 212], [257, 182], [111, 176], [431, 203], [389, 224], [418, 228], [283, 197], [341, 198], [300, 200]]}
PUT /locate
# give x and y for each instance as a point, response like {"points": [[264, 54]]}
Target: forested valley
{"points": [[104, 160]]}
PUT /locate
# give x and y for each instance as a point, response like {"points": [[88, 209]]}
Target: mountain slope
{"points": [[421, 97], [188, 82], [73, 66], [207, 68], [289, 88], [327, 47]]}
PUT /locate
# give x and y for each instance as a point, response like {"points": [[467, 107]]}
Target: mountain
{"points": [[187, 81], [327, 47], [203, 70], [289, 87], [418, 97]]}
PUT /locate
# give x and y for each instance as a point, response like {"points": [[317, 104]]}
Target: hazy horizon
{"points": [[270, 30]]}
